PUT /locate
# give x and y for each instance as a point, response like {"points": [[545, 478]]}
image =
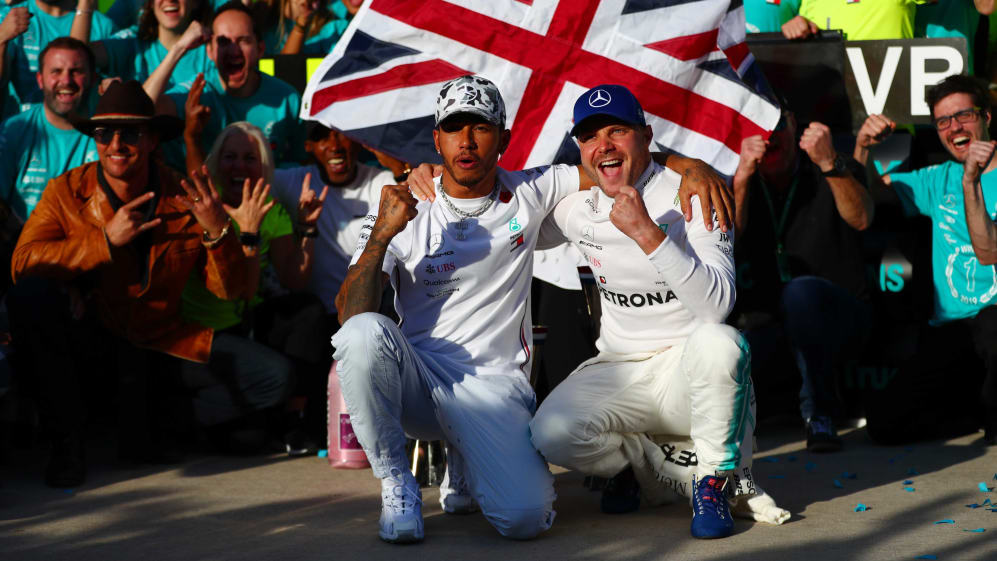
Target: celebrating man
{"points": [[667, 365], [457, 366]]}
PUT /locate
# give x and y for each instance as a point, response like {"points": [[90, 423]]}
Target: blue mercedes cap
{"points": [[608, 99]]}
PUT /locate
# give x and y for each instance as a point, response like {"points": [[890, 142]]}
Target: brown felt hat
{"points": [[127, 104]]}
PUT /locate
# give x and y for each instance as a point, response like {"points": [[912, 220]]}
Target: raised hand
{"points": [[310, 206], [874, 130], [196, 115], [752, 151], [396, 210], [194, 36], [203, 202], [14, 23], [977, 160], [816, 142], [252, 208], [799, 28], [128, 222]]}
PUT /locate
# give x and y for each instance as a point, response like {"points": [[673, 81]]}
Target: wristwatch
{"points": [[838, 168], [249, 239]]}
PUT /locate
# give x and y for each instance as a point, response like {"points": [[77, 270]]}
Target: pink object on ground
{"points": [[345, 451]]}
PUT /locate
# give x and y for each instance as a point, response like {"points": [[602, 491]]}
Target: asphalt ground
{"points": [[275, 507]]}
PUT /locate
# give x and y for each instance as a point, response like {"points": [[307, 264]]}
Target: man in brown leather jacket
{"points": [[122, 236]]}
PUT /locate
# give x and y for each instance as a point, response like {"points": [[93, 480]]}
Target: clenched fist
{"points": [[980, 154], [816, 142], [396, 210], [630, 216]]}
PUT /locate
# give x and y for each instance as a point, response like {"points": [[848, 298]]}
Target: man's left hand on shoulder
{"points": [[713, 192]]}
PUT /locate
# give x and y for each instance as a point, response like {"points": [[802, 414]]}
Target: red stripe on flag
{"points": [[555, 60], [689, 47], [403, 75], [527, 2], [736, 55]]}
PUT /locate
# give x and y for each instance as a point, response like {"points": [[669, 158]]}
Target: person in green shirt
{"points": [[240, 165], [877, 19], [953, 18]]}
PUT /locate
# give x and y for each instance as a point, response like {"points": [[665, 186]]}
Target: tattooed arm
{"points": [[364, 283]]}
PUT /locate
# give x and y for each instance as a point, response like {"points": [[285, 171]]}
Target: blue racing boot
{"points": [[710, 512]]}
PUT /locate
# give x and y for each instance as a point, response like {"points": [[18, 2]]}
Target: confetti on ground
{"points": [[810, 466], [908, 481], [323, 453], [909, 489], [974, 505], [986, 502], [912, 471], [983, 487], [847, 475], [929, 556], [769, 460], [976, 531], [946, 521], [838, 484], [861, 507]]}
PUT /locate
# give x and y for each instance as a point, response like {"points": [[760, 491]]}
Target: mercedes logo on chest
{"points": [[599, 98]]}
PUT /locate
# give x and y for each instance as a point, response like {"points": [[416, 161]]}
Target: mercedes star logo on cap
{"points": [[599, 98]]}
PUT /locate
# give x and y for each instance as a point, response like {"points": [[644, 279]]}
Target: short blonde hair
{"points": [[255, 134]]}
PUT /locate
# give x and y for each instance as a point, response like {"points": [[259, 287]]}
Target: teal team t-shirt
{"points": [[767, 16], [949, 18], [33, 153], [24, 50], [131, 57], [273, 108], [962, 286]]}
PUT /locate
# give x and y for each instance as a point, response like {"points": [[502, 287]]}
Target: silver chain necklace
{"points": [[463, 215]]}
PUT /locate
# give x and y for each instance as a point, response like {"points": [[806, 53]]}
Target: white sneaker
{"points": [[455, 497], [401, 508]]}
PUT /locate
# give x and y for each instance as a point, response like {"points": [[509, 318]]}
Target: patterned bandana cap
{"points": [[471, 94]]}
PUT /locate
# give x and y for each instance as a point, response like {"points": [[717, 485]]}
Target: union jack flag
{"points": [[685, 60]]}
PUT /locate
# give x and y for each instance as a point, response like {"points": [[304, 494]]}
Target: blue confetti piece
{"points": [[769, 460], [995, 477], [986, 502], [929, 556], [908, 449], [323, 453], [847, 475], [908, 481], [976, 531], [946, 521], [912, 471], [776, 476], [974, 505], [893, 459], [793, 459], [69, 491], [861, 508], [810, 466], [983, 487], [909, 489], [838, 484]]}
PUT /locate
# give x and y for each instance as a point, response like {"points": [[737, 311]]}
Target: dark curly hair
{"points": [[148, 25], [957, 83]]}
